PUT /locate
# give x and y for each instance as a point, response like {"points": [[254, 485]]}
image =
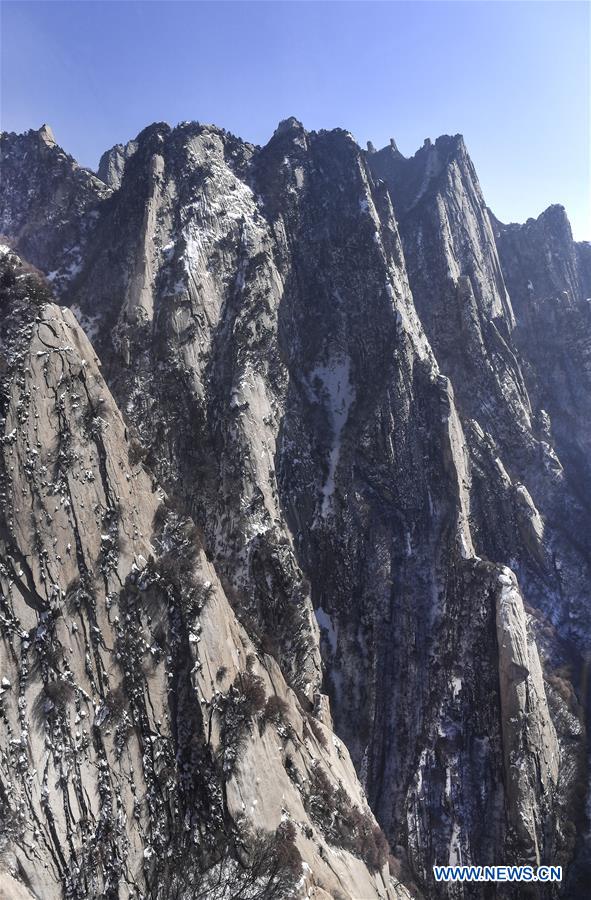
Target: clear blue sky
{"points": [[513, 77]]}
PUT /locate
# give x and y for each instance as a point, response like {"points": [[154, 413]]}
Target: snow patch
{"points": [[332, 386], [90, 325], [455, 849], [326, 624]]}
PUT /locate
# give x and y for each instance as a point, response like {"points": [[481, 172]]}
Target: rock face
{"points": [[112, 163], [541, 260], [529, 738], [49, 204], [129, 689], [372, 447], [549, 276]]}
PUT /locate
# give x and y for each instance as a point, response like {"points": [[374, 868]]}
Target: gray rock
{"points": [[316, 351]]}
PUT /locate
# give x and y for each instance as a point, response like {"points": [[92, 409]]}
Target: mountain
{"points": [[320, 457]]}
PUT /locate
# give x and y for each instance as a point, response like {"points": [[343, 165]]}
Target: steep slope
{"points": [[456, 278], [541, 260], [112, 163], [505, 379], [317, 354], [48, 204], [549, 274], [139, 723]]}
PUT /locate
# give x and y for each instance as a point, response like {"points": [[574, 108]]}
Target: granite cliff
{"points": [[296, 521]]}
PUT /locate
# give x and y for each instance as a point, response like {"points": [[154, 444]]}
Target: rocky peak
{"points": [[156, 132], [549, 277], [409, 179], [46, 135], [290, 137], [542, 261], [454, 272], [289, 126], [556, 219], [112, 163], [50, 206]]}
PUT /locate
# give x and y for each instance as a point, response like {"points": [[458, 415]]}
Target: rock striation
{"points": [[139, 722], [338, 456]]}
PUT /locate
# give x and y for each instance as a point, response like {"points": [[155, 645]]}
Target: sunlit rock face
{"points": [[148, 745], [306, 435]]}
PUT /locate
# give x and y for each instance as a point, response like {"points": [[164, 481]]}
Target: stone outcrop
{"points": [[112, 163], [530, 745], [49, 204], [542, 261]]}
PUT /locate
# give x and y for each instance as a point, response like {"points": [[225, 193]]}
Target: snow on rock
{"points": [[332, 387]]}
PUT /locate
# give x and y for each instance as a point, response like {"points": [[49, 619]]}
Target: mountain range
{"points": [[295, 532]]}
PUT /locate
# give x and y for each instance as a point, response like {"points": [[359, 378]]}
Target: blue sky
{"points": [[512, 77]]}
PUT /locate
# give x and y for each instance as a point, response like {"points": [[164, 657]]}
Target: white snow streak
{"points": [[325, 622], [338, 394]]}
